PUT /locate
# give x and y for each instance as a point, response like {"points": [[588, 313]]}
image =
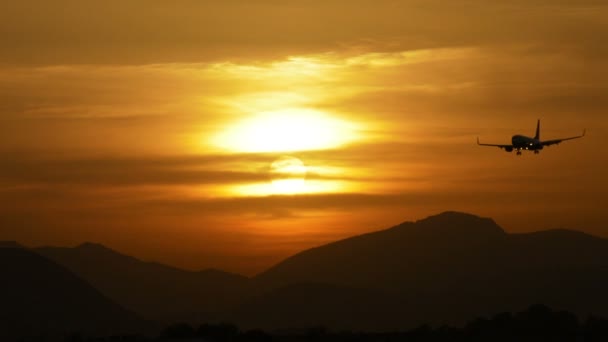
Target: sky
{"points": [[232, 134]]}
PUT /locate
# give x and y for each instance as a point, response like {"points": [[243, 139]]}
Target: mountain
{"points": [[302, 306], [10, 244], [152, 290], [39, 297], [446, 268], [388, 259]]}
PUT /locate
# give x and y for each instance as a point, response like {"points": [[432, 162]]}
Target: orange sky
{"points": [[232, 134]]}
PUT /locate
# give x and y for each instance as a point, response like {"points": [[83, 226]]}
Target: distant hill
{"points": [[10, 244], [150, 289], [301, 306], [39, 297], [447, 268]]}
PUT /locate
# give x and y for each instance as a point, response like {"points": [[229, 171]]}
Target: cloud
{"points": [[381, 86], [107, 110], [104, 172], [144, 32]]}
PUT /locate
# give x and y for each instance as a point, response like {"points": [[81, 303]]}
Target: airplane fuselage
{"points": [[522, 142]]}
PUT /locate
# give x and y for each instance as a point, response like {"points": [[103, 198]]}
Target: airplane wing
{"points": [[557, 141], [504, 147]]}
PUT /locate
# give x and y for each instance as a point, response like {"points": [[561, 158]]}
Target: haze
{"points": [[232, 134]]}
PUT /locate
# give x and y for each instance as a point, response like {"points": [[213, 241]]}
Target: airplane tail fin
{"points": [[537, 136]]}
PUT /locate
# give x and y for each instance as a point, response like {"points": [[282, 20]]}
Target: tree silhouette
{"points": [[223, 332], [178, 331]]}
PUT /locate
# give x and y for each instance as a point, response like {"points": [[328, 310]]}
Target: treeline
{"points": [[537, 323]]}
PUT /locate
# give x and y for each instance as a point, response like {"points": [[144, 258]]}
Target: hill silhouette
{"points": [[301, 306], [40, 298], [10, 244], [385, 258], [445, 269], [153, 290]]}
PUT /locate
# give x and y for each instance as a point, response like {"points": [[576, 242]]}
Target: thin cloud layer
{"points": [[110, 113], [116, 32]]}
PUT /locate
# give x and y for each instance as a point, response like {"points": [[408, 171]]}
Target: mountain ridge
{"points": [[40, 297], [10, 244], [455, 260], [153, 290], [446, 268]]}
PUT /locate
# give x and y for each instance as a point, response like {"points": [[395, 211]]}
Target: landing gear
{"points": [[536, 151], [519, 152]]}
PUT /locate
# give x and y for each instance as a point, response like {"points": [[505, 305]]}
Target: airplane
{"points": [[521, 142]]}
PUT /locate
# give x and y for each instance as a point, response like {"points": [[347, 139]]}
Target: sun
{"points": [[286, 131], [288, 176]]}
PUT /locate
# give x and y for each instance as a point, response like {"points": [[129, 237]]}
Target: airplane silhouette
{"points": [[522, 142]]}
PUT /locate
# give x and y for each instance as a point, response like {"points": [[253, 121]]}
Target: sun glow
{"points": [[288, 187], [286, 130], [288, 175]]}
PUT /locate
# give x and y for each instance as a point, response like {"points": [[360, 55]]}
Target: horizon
{"points": [[259, 272], [233, 134]]}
